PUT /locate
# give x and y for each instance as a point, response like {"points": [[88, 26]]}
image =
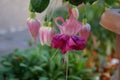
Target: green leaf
{"points": [[4, 69], [59, 73], [110, 1], [43, 78], [76, 2], [1, 77], [90, 1], [23, 65], [7, 63], [86, 71], [37, 68], [74, 77], [38, 5]]}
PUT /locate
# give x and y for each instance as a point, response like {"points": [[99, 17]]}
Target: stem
{"points": [[86, 10], [84, 21], [66, 56], [53, 8], [38, 51], [85, 15], [53, 55], [32, 15], [34, 41], [68, 4]]}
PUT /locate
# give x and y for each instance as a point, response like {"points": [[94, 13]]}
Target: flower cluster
{"points": [[73, 34]]}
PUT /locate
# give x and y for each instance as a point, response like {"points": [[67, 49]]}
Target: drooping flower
{"points": [[46, 35], [33, 26], [68, 39], [75, 12], [85, 31], [69, 27]]}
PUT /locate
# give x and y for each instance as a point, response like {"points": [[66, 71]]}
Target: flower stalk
{"points": [[67, 65]]}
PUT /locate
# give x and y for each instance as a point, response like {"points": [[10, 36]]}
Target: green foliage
{"points": [[35, 64], [38, 5], [78, 2]]}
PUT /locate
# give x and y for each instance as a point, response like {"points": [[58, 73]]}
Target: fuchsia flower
{"points": [[68, 39], [46, 35], [85, 31], [33, 27]]}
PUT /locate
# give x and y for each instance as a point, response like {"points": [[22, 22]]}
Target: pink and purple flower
{"points": [[68, 39]]}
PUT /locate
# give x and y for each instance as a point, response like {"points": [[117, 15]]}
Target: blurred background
{"points": [[15, 39], [13, 33]]}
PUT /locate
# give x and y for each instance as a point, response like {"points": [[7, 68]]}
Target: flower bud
{"points": [[33, 27], [46, 35], [85, 31]]}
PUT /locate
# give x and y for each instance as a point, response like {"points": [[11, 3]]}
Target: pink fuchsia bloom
{"points": [[85, 31], [69, 27], [68, 39], [75, 12], [33, 27], [46, 35]]}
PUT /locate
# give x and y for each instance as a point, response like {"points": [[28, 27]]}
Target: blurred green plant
{"points": [[35, 64]]}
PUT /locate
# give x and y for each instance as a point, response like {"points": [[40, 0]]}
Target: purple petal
{"points": [[77, 43]]}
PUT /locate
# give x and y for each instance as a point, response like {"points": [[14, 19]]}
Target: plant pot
{"points": [[111, 20]]}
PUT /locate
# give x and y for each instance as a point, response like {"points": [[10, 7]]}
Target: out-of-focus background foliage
{"points": [[35, 63]]}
